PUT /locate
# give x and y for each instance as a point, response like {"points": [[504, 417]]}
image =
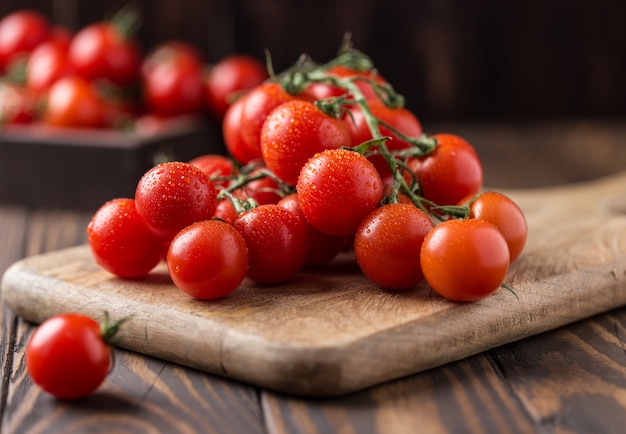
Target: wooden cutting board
{"points": [[330, 331]]}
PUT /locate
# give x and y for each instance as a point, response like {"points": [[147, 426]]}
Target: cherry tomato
{"points": [[46, 64], [277, 243], [337, 188], [400, 119], [173, 195], [67, 356], [232, 74], [505, 214], [388, 242], [208, 259], [465, 260], [218, 167], [74, 102], [226, 211], [294, 132], [258, 104], [20, 32], [173, 81], [231, 132], [323, 248], [103, 51], [120, 240], [451, 172]]}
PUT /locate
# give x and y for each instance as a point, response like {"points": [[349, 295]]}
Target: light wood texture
{"points": [[330, 332]]}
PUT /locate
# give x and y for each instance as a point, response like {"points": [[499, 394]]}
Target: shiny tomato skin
{"points": [[73, 102], [465, 260], [121, 242], [451, 172], [231, 75], [258, 104], [231, 132], [208, 259], [388, 243], [337, 188], [400, 119], [67, 357], [172, 80], [101, 51], [173, 195], [277, 243], [323, 248], [226, 211], [505, 214], [219, 168], [46, 64], [20, 32], [295, 131]]}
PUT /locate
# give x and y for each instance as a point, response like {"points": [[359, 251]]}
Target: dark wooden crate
{"points": [[81, 169]]}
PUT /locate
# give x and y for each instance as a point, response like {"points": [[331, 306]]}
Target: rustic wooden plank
{"points": [[467, 396], [336, 332]]}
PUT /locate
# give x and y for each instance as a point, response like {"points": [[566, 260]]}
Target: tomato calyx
{"points": [[109, 330], [126, 21]]}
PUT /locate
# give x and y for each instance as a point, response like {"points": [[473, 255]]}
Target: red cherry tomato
{"points": [[323, 248], [231, 132], [451, 172], [173, 195], [102, 51], [218, 167], [46, 64], [264, 190], [67, 356], [506, 215], [120, 241], [20, 32], [337, 189], [173, 81], [258, 104], [74, 102], [226, 211], [400, 119], [277, 243], [388, 242], [232, 74], [465, 260], [294, 132], [208, 259]]}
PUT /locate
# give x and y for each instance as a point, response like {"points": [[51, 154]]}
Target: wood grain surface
{"points": [[330, 332]]}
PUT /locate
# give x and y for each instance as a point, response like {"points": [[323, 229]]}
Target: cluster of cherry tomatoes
{"points": [[322, 159], [99, 77]]}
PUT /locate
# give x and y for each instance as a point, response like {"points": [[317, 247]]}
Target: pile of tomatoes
{"points": [[99, 77], [322, 159]]}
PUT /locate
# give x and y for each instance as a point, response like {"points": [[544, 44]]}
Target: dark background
{"points": [[452, 59]]}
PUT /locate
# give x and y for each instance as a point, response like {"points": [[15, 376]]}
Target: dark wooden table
{"points": [[570, 380]]}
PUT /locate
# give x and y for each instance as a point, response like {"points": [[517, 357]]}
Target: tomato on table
{"points": [[46, 64], [173, 195], [449, 173], [231, 132], [337, 188], [277, 243], [121, 242], [68, 355], [388, 243], [465, 259], [295, 131], [219, 168], [208, 259]]}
